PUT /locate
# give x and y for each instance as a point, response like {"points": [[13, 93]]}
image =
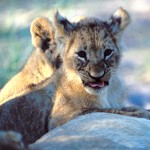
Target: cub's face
{"points": [[91, 49], [94, 55]]}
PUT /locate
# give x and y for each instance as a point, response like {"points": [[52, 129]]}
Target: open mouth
{"points": [[98, 85]]}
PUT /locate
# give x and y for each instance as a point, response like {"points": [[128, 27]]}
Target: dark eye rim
{"points": [[107, 52], [82, 54]]}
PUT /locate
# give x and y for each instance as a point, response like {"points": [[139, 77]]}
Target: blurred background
{"points": [[15, 39]]}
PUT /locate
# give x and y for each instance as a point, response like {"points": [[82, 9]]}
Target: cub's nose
{"points": [[97, 75]]}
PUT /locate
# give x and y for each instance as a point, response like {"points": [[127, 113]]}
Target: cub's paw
{"points": [[126, 111], [136, 112], [10, 140]]}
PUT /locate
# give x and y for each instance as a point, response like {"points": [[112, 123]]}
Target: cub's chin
{"points": [[95, 91], [96, 88]]}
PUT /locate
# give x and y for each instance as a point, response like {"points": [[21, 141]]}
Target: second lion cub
{"points": [[41, 64]]}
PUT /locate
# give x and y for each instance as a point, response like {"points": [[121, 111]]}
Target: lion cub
{"points": [[41, 64], [44, 60], [88, 79]]}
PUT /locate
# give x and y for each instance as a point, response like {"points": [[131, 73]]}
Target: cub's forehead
{"points": [[93, 33], [89, 25]]}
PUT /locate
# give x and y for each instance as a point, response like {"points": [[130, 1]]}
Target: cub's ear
{"points": [[119, 21], [42, 32], [62, 25]]}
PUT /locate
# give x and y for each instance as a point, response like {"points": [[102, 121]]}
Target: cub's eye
{"points": [[82, 54], [107, 52]]}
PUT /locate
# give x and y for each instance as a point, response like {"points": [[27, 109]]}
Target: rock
{"points": [[98, 131]]}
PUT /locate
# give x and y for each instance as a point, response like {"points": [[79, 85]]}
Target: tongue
{"points": [[97, 84]]}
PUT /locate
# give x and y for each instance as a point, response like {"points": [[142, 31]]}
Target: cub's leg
{"points": [[127, 111], [136, 112]]}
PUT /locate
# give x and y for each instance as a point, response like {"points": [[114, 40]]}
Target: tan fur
{"points": [[41, 28], [39, 66], [72, 97]]}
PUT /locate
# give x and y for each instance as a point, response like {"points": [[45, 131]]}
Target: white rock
{"points": [[98, 131]]}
